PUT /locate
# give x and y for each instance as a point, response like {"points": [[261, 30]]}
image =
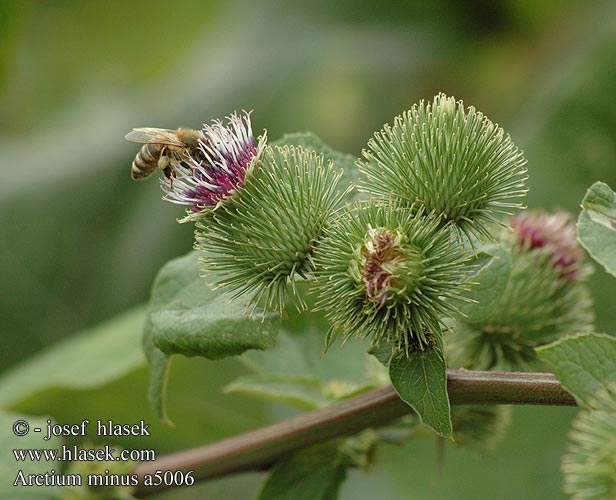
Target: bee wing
{"points": [[149, 135]]}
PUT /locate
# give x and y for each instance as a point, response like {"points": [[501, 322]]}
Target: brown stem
{"points": [[261, 448]]}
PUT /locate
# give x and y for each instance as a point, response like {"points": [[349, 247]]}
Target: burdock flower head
{"points": [[260, 240], [589, 466], [448, 159], [544, 297], [553, 234], [218, 167], [389, 273]]}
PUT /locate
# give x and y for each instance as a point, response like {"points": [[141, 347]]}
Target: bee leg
{"points": [[170, 174], [186, 166]]}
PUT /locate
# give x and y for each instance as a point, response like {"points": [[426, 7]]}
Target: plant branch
{"points": [[261, 448]]}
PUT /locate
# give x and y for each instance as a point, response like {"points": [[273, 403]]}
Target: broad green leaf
{"points": [[491, 281], [188, 318], [584, 363], [341, 372], [300, 348], [300, 351], [381, 352], [312, 474], [300, 392], [159, 364], [421, 381], [313, 378], [10, 467], [597, 225], [195, 397], [90, 359], [600, 201], [343, 161]]}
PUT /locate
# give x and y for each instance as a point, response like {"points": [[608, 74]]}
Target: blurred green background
{"points": [[81, 242]]}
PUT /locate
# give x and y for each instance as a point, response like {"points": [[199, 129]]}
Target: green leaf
{"points": [[597, 225], [159, 364], [9, 467], [304, 393], [382, 352], [600, 201], [188, 318], [346, 162], [195, 397], [491, 281], [315, 378], [90, 359], [584, 363], [296, 372], [421, 381], [312, 474]]}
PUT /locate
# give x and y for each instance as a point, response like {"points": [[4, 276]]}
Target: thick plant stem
{"points": [[261, 448]]}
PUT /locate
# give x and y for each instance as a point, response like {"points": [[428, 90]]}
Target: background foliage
{"points": [[82, 243]]}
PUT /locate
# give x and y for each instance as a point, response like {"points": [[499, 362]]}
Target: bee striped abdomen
{"points": [[165, 150], [146, 161]]}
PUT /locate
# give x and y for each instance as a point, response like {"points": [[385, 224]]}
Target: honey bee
{"points": [[164, 149]]}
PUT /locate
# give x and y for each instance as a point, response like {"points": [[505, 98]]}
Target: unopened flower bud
{"points": [[589, 466], [449, 160], [545, 298], [553, 234]]}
